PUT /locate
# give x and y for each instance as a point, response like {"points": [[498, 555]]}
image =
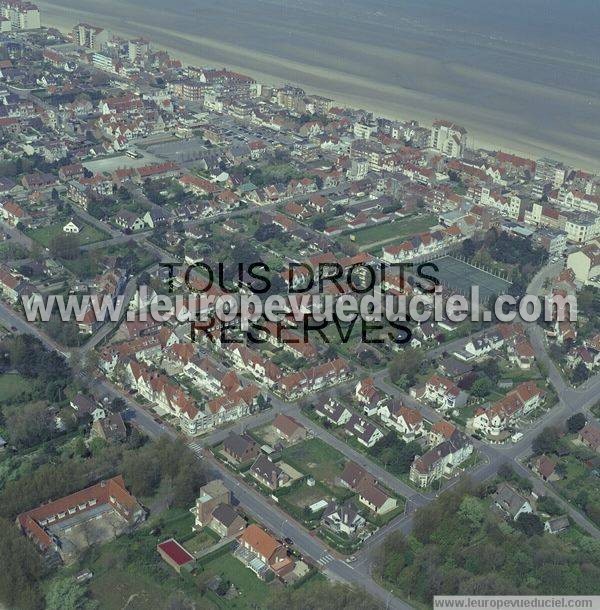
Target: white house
{"points": [[365, 432], [73, 227], [511, 502], [405, 420]]}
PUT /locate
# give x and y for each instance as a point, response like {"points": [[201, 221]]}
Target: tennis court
{"points": [[461, 276]]}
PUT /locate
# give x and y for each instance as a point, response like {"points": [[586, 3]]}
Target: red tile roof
{"points": [[259, 541], [111, 491], [176, 553]]}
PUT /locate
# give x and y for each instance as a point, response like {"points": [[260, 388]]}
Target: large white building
{"points": [[90, 36], [137, 49], [585, 263], [549, 171], [104, 62], [21, 15], [582, 227], [448, 138]]}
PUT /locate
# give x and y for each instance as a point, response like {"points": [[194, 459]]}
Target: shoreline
{"points": [[64, 19]]}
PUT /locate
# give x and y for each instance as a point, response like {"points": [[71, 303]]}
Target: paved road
{"points": [[126, 296], [92, 220], [10, 319], [279, 522], [17, 236], [570, 401], [254, 502]]}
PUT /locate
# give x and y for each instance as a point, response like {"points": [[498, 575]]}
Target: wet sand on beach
{"points": [[514, 90]]}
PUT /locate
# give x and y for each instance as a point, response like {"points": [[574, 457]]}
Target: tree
{"points": [[141, 471], [187, 483], [319, 223], [457, 547], [30, 425], [407, 362], [118, 405], [549, 505], [491, 369], [592, 510], [546, 441], [136, 439], [66, 594], [530, 524], [392, 557], [20, 570], [473, 511], [580, 374], [482, 387], [322, 595], [65, 246], [266, 232], [91, 363], [506, 472], [576, 422]]}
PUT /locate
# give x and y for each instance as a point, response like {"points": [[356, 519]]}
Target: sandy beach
{"points": [[501, 109]]}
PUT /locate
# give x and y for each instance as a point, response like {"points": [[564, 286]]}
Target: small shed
{"points": [[175, 555]]}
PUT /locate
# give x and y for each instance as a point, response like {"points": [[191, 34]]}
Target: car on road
{"points": [[350, 559], [515, 438], [288, 541]]}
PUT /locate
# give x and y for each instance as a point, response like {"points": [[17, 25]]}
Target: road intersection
{"points": [[359, 572]]}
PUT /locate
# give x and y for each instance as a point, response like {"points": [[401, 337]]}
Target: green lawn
{"points": [[88, 262], [116, 589], [128, 572], [579, 486], [175, 523], [314, 456], [202, 540], [303, 495], [45, 235], [253, 591], [394, 231], [517, 375]]}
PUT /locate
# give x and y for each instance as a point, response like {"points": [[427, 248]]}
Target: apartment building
{"points": [[441, 459], [582, 227], [20, 15], [585, 263], [90, 36], [448, 138], [549, 171]]}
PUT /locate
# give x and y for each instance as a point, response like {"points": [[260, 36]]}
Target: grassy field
{"points": [[45, 235], [88, 262], [323, 462], [202, 540], [253, 592], [303, 495], [579, 485], [128, 572], [175, 523], [394, 231], [116, 589]]}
